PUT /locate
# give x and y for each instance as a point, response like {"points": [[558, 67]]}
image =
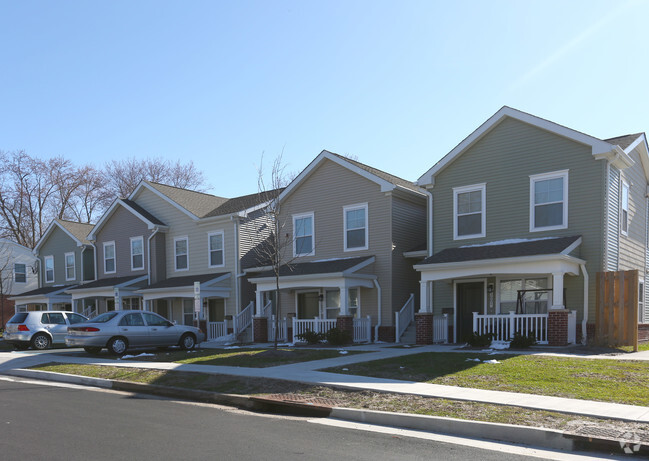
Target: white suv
{"points": [[40, 329]]}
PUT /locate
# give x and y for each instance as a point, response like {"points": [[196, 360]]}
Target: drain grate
{"points": [[613, 434], [304, 399]]}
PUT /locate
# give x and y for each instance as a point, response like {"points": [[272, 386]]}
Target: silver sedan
{"points": [[119, 331]]}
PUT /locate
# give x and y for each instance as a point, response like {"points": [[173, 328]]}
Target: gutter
{"points": [[584, 322], [237, 301], [430, 221], [148, 249], [378, 324]]}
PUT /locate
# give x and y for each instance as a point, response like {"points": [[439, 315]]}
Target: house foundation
{"points": [[260, 329]]}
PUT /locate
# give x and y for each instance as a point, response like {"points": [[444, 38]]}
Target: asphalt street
{"points": [[45, 422]]}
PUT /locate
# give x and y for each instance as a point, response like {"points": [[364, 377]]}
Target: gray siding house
{"points": [[346, 226], [524, 213]]}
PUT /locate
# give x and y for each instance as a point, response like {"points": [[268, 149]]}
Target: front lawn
{"points": [[589, 379]]}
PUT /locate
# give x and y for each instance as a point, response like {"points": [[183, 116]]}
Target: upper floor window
{"points": [[69, 266], [304, 235], [549, 201], [355, 222], [469, 205], [110, 266], [215, 245], [137, 253], [181, 253], [624, 218], [20, 273], [49, 269]]}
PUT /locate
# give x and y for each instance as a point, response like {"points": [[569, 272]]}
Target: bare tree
{"points": [[92, 197], [124, 175], [6, 278]]}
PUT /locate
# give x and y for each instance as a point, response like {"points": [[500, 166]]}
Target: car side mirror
{"points": [[171, 324]]}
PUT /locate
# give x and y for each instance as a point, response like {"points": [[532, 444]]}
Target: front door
{"points": [[470, 299], [308, 305]]}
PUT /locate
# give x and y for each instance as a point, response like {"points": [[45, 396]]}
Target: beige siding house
{"points": [[345, 227], [525, 212]]}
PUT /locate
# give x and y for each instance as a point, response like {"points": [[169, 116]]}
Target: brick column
{"points": [[202, 325], [558, 327], [346, 323], [260, 329], [424, 323]]}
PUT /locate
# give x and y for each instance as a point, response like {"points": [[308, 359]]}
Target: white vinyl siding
{"points": [[215, 246], [20, 273], [469, 211], [612, 251], [355, 224], [69, 266], [110, 266], [181, 253], [304, 238], [137, 253], [49, 269], [549, 201], [624, 216]]}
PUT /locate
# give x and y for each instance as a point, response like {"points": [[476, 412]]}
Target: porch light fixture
{"points": [[490, 288]]}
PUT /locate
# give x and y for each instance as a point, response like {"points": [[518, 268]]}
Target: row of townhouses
{"points": [[513, 224]]}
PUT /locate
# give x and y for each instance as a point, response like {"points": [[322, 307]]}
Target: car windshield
{"points": [[103, 318], [18, 318]]}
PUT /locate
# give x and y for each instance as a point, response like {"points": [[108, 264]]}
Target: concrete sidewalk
{"points": [[307, 372]]}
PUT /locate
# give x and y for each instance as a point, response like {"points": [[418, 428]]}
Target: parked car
{"points": [[40, 329], [119, 331]]}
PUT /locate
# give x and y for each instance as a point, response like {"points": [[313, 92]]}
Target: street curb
{"points": [[509, 433]]}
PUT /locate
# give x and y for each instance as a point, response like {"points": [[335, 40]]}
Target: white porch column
{"points": [[49, 304], [259, 302], [557, 291], [344, 306], [424, 301]]}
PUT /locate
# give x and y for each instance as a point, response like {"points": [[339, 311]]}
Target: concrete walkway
{"points": [[306, 372]]}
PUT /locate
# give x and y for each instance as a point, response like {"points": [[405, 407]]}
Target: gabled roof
{"points": [[195, 204], [187, 281], [43, 291], [625, 140], [600, 148], [330, 266], [150, 220], [111, 282], [386, 181], [244, 202], [75, 230]]}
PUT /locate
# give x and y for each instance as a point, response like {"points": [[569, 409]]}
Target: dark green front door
{"points": [[308, 305], [470, 298]]}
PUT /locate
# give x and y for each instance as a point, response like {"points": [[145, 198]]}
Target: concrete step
{"points": [[410, 335]]}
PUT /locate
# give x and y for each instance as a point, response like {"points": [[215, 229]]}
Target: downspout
{"points": [[429, 222], [584, 322], [376, 328], [83, 248], [237, 273], [148, 249], [94, 258]]}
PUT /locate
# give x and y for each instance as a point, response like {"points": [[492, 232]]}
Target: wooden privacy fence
{"points": [[616, 315]]}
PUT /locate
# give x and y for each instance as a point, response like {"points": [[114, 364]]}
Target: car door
{"points": [[55, 323], [161, 331], [132, 327]]}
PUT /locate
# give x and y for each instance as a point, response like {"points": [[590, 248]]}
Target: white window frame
{"points": [[624, 208], [302, 216], [482, 187], [544, 177], [16, 272], [358, 297], [141, 240], [177, 239], [106, 245], [210, 250], [46, 259], [359, 206], [74, 266]]}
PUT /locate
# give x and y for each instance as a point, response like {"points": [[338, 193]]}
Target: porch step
{"points": [[410, 335]]}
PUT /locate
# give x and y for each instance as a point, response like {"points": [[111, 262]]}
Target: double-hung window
{"points": [[49, 269], [20, 273], [549, 201], [624, 218], [215, 248], [69, 266], [355, 222], [110, 266], [469, 206], [181, 253], [137, 253], [303, 241]]}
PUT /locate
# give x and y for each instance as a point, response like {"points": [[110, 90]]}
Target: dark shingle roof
{"points": [[78, 229], [197, 203], [624, 141], [186, 281], [316, 267], [104, 283], [554, 245], [244, 202], [145, 214], [43, 291]]}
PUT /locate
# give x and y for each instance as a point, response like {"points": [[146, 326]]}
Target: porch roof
{"points": [[186, 281], [183, 287], [110, 282], [317, 267], [43, 295]]}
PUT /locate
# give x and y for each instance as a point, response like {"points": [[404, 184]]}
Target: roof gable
{"points": [[132, 207], [194, 204], [77, 231]]}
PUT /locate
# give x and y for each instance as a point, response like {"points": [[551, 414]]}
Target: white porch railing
{"points": [[216, 330], [363, 330], [243, 319], [404, 317], [504, 326], [440, 328], [317, 325], [90, 312], [572, 327], [272, 328]]}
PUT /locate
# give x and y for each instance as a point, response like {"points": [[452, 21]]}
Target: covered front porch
{"points": [[104, 295], [44, 299], [508, 287]]}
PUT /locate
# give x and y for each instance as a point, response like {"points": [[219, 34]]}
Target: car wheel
{"points": [[117, 346], [92, 350], [187, 341], [41, 341]]}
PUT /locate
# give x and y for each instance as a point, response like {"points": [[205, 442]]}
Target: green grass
{"points": [[590, 379]]}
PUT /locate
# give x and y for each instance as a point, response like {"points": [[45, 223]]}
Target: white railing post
{"points": [[396, 327], [368, 330], [294, 331], [512, 325], [475, 323]]}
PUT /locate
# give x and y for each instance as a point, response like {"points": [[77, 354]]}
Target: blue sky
{"points": [[396, 84]]}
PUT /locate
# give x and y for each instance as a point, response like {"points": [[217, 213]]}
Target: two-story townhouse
{"points": [[127, 239], [524, 213], [205, 244], [347, 226], [18, 274], [65, 259]]}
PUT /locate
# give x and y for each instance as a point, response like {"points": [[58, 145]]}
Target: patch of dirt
{"points": [[279, 353]]}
